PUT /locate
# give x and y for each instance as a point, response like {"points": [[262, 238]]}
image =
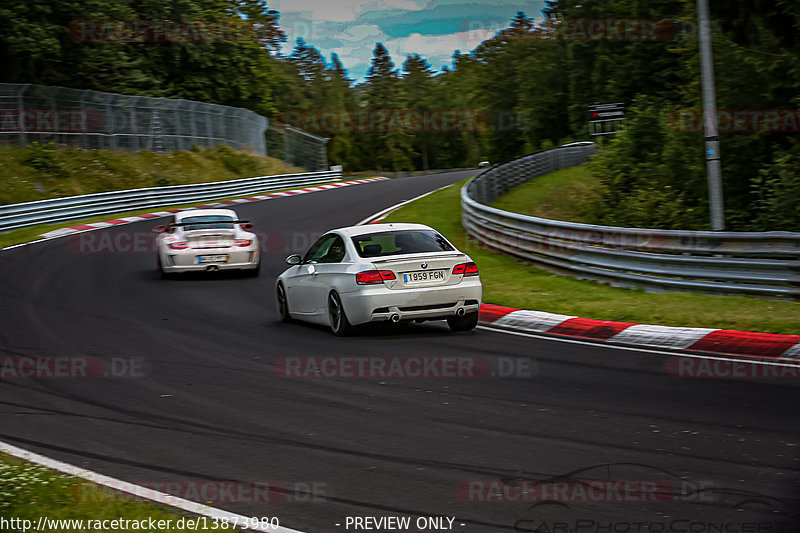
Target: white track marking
{"points": [[136, 490], [663, 336], [388, 210], [538, 321]]}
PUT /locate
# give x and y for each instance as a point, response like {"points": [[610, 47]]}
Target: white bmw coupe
{"points": [[380, 272], [207, 240]]}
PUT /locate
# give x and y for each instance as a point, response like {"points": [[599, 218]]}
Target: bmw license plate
{"points": [[212, 258], [423, 276]]}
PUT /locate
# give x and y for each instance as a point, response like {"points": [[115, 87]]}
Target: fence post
{"points": [[192, 114], [84, 118], [112, 143], [23, 138]]}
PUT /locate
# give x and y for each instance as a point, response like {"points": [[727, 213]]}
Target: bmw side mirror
{"points": [[159, 229], [294, 259]]}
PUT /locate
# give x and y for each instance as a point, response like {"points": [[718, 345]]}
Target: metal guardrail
{"points": [[74, 207], [755, 263]]}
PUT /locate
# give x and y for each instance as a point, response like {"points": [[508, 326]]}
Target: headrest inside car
{"points": [[372, 249]]}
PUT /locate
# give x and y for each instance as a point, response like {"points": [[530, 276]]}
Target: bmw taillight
{"points": [[373, 277], [466, 269], [243, 242], [181, 245]]}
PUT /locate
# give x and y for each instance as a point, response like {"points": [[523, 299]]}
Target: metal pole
{"points": [[713, 165]]}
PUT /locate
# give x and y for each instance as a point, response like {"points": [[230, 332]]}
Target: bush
{"points": [[650, 175], [777, 189], [42, 158]]}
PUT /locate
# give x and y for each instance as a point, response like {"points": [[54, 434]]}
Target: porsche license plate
{"points": [[423, 276], [212, 258]]}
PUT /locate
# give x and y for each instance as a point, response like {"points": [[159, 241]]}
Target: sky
{"points": [[434, 29]]}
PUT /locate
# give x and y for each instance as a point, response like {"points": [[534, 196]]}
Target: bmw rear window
{"points": [[400, 242]]}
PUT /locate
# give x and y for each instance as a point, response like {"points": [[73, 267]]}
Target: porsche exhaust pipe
{"points": [[460, 311], [212, 268], [395, 318]]}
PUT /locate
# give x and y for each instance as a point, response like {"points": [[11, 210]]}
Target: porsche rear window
{"points": [[208, 222], [400, 242]]}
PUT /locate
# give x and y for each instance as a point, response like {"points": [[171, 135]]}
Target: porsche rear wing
{"points": [[210, 222]]}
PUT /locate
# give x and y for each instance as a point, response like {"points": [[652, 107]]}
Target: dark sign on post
{"points": [[606, 119]]}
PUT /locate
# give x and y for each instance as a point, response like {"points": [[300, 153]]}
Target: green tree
{"points": [[387, 140]]}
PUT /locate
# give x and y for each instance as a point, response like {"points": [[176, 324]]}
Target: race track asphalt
{"points": [[207, 405]]}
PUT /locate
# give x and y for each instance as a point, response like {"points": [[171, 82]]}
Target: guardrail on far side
{"points": [[89, 205]]}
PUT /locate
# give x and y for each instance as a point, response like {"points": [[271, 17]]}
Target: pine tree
{"points": [[419, 88], [387, 139]]}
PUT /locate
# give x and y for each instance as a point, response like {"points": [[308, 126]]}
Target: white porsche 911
{"points": [[380, 272], [207, 240]]}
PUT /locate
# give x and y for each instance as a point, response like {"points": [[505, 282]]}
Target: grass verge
{"points": [[42, 171], [566, 194], [512, 283], [29, 491]]}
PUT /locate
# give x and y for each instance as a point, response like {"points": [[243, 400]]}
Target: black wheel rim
{"points": [[335, 312]]}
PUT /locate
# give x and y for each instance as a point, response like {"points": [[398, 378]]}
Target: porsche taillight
{"points": [[243, 242], [180, 245]]}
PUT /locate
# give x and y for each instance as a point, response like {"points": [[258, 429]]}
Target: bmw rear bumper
{"points": [[376, 304]]}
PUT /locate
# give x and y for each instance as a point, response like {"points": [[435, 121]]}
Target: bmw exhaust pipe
{"points": [[395, 318], [460, 311]]}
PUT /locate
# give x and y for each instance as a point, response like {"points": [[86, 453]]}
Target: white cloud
{"points": [[439, 45], [341, 10], [333, 26]]}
